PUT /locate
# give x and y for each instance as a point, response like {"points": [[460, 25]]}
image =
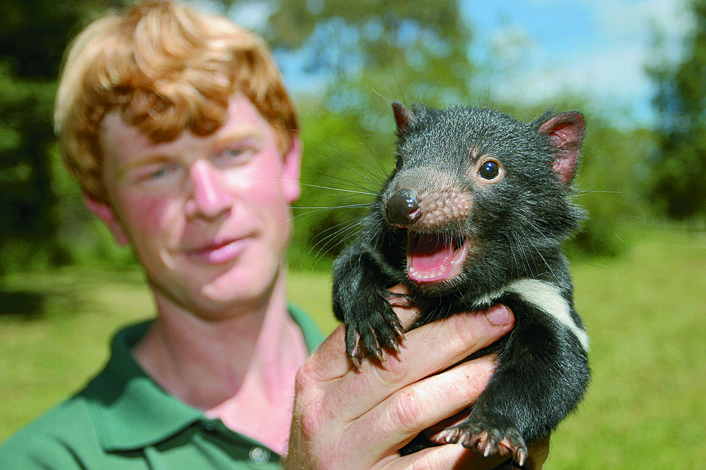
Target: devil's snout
{"points": [[403, 207]]}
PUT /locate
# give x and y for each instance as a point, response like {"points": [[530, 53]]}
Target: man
{"points": [[185, 144]]}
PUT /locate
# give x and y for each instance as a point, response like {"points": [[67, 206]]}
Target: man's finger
{"points": [[426, 351], [446, 456], [421, 405], [329, 361]]}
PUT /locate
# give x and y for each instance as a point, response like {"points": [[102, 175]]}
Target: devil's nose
{"points": [[403, 207]]}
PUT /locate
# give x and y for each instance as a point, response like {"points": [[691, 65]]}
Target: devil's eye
{"points": [[489, 170]]}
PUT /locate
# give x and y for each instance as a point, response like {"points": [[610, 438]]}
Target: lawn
{"points": [[646, 407]]}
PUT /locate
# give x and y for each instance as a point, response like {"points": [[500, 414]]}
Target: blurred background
{"points": [[635, 68]]}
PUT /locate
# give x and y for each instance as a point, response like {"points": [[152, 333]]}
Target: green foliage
{"points": [[610, 186], [679, 165], [367, 48], [26, 196], [33, 35], [342, 35], [343, 168]]}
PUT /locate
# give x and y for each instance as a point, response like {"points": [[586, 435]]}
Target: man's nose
{"points": [[209, 192]]}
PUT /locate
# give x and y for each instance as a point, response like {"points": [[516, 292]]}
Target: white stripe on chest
{"points": [[547, 297]]}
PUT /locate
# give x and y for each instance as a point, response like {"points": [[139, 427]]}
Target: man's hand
{"points": [[350, 418]]}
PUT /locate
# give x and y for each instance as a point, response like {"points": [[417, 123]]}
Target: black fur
{"points": [[498, 190]]}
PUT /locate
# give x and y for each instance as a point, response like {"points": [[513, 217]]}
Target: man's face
{"points": [[208, 217]]}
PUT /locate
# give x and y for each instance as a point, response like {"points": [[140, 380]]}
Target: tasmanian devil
{"points": [[473, 215]]}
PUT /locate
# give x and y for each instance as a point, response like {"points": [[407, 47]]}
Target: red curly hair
{"points": [[166, 68]]}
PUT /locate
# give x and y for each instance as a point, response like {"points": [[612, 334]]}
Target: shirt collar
{"points": [[131, 411]]}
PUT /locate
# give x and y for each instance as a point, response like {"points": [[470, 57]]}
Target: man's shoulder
{"points": [[51, 441]]}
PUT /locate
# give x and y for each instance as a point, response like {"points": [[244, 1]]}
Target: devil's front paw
{"points": [[487, 439], [369, 334]]}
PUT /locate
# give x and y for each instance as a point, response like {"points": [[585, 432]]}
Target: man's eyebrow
{"points": [[162, 156], [150, 158], [241, 133]]}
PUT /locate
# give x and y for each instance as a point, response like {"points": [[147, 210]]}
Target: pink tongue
{"points": [[430, 259]]}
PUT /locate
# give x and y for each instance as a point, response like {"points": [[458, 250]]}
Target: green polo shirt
{"points": [[124, 420]]}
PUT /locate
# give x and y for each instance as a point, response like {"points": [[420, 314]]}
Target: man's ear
{"points": [[291, 170], [105, 212]]}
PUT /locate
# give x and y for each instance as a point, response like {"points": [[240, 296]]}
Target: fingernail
{"points": [[498, 315]]}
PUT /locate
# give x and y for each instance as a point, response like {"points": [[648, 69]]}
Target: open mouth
{"points": [[435, 258]]}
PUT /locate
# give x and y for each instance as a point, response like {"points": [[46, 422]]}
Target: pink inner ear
{"points": [[403, 116], [564, 140], [565, 134], [562, 135], [564, 168]]}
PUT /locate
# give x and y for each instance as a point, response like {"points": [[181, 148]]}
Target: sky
{"points": [[593, 48], [532, 50]]}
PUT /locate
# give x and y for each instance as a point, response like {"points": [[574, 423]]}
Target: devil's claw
{"points": [[371, 335], [487, 441]]}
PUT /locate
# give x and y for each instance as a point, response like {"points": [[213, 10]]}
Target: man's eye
{"points": [[161, 172], [157, 174], [235, 152], [235, 155]]}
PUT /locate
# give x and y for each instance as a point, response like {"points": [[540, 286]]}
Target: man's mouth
{"points": [[217, 252], [435, 258]]}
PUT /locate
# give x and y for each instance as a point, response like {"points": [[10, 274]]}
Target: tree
{"points": [[679, 166], [33, 36], [362, 55]]}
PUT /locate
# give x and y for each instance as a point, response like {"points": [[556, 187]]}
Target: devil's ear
{"points": [[403, 117], [565, 134]]}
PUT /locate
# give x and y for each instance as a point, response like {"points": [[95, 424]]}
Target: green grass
{"points": [[646, 406]]}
